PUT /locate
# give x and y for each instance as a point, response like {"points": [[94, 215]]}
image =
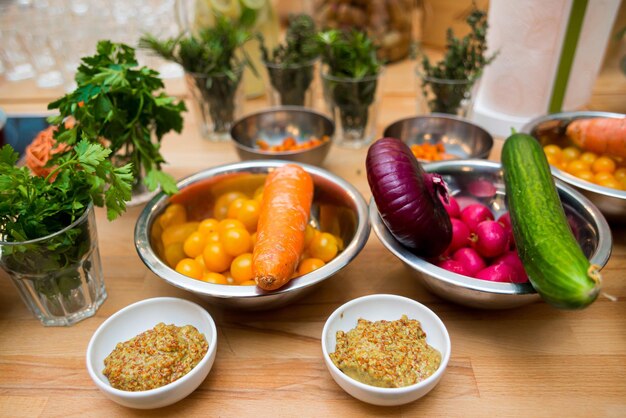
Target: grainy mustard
{"points": [[155, 357], [388, 354]]}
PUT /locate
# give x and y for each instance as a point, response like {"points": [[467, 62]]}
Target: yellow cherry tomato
{"points": [[553, 152], [174, 214], [178, 232], [324, 247], [602, 177], [588, 157], [554, 160], [215, 278], [229, 277], [213, 236], [236, 241], [586, 175], [173, 253], [189, 267], [620, 174], [208, 225], [215, 257], [253, 239], [258, 194], [194, 244], [234, 207], [248, 283], [229, 223], [570, 153], [200, 260], [576, 166], [220, 209], [603, 165], [611, 182], [309, 264], [241, 268], [248, 214], [309, 234]]}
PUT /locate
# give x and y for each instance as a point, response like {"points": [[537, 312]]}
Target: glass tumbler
{"points": [[435, 95], [291, 85], [58, 276]]}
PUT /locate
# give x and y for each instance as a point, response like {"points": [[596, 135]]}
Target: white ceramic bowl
{"points": [[387, 307], [135, 319]]}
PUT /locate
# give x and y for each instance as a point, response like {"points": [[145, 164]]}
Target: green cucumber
{"points": [[554, 262]]}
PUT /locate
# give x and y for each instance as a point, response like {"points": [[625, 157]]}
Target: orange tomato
{"points": [[173, 253], [220, 209], [258, 194], [215, 278], [208, 225], [241, 268], [601, 177], [189, 267], [236, 241], [309, 234], [194, 244], [620, 174], [603, 165], [576, 166], [324, 247], [174, 214], [570, 153], [588, 157], [248, 214], [234, 207], [554, 153], [215, 257], [248, 283], [586, 175], [309, 264], [178, 232], [610, 182], [229, 223]]}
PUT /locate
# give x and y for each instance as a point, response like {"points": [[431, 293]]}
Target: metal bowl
{"points": [[460, 137], [591, 230], [275, 124], [549, 129], [335, 202]]}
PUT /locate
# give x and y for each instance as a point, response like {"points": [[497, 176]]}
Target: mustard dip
{"points": [[388, 354], [155, 357]]}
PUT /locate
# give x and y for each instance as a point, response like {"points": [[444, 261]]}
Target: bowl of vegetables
{"points": [[587, 150], [477, 189], [437, 137], [207, 238], [290, 133]]}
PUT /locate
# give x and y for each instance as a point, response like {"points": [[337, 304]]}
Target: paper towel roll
{"points": [[530, 36]]}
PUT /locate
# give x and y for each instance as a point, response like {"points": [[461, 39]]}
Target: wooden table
{"points": [[531, 361]]}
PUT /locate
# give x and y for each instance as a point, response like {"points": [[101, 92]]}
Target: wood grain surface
{"points": [[534, 361]]}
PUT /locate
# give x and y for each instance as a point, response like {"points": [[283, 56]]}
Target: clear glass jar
{"points": [[291, 85], [435, 95], [58, 276]]}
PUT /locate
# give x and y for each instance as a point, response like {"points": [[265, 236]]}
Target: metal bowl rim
{"points": [[158, 267], [600, 257]]}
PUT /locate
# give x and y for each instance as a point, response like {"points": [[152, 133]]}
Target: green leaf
{"points": [[156, 178], [8, 155]]}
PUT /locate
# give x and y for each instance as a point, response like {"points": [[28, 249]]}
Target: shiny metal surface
{"points": [[591, 230], [460, 137], [549, 129], [273, 125], [333, 196]]}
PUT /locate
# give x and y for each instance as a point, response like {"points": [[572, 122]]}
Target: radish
{"points": [[460, 236], [452, 207], [497, 273], [470, 260], [505, 221], [512, 259], [453, 266], [474, 214], [490, 239]]}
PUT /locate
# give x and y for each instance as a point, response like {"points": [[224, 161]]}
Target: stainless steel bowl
{"points": [[591, 229], [275, 124], [335, 201], [549, 129], [459, 136]]}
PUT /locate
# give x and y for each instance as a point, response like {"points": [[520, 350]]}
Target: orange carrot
{"points": [[599, 135], [283, 217]]}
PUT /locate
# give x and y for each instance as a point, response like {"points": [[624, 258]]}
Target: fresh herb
{"points": [[350, 56], [212, 59], [33, 207], [116, 103], [290, 65], [464, 61]]}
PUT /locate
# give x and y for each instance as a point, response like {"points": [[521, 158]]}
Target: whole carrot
{"points": [[284, 214], [599, 135]]}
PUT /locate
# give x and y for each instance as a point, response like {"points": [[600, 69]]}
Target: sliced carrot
{"points": [[283, 217]]}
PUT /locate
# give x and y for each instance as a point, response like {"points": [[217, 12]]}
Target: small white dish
{"points": [[135, 319], [391, 308]]}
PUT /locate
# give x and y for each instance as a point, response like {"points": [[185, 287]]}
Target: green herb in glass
{"points": [[452, 78], [33, 207], [290, 65], [350, 56], [212, 57], [116, 102]]}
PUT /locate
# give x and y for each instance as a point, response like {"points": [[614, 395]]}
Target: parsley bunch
{"points": [[116, 103], [464, 60], [289, 65], [212, 58], [32, 207]]}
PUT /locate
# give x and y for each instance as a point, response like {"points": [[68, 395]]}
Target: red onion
{"points": [[452, 207], [406, 198]]}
